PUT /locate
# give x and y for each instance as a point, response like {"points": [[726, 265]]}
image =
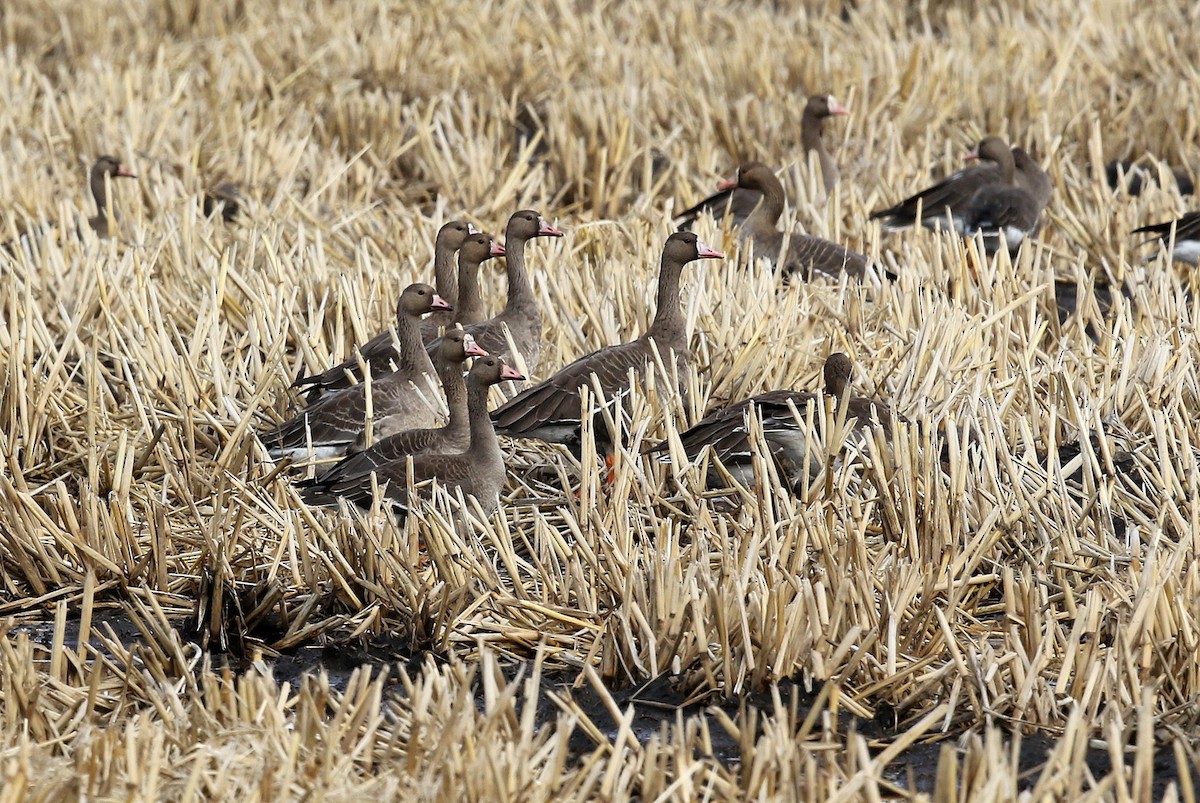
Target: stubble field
{"points": [[965, 613]]}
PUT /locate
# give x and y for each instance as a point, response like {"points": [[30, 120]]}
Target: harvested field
{"points": [[1003, 601]]}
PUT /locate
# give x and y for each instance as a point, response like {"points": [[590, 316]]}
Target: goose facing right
{"points": [[478, 472], [552, 410], [740, 202], [330, 425]]}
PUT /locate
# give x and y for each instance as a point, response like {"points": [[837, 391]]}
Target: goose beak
{"points": [[124, 172], [546, 230], [508, 372], [727, 184], [439, 303], [971, 156], [472, 348], [705, 252], [836, 109], [496, 249]]}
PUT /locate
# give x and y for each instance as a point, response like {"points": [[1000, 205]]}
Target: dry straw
{"points": [[971, 582]]}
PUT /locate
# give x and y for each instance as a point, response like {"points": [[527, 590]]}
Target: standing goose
{"points": [[520, 319], [1186, 231], [953, 194], [741, 202], [478, 472], [379, 352], [725, 431], [552, 410], [332, 423], [477, 248], [804, 253], [395, 444]]}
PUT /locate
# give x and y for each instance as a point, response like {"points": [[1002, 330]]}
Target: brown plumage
{"points": [[781, 414], [469, 307], [478, 472], [380, 352], [331, 424], [803, 254], [1186, 231], [952, 197], [395, 444], [105, 167], [520, 318], [552, 410], [739, 203]]}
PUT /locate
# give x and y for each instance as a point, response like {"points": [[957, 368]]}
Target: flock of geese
{"points": [[378, 412]]}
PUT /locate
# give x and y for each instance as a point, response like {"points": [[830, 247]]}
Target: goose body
{"points": [[394, 444], [738, 202], [965, 199], [478, 472], [782, 415], [792, 253], [1186, 231], [380, 351], [552, 410], [520, 321], [330, 425]]}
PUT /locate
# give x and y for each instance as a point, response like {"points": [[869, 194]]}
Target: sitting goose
{"points": [[552, 410], [479, 471], [225, 200], [740, 202], [1133, 177], [331, 424], [1185, 230], [725, 431], [394, 444], [804, 253], [953, 195], [105, 167], [379, 352], [1007, 211], [520, 319]]}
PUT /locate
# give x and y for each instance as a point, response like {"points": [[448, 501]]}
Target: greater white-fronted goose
{"points": [[105, 167], [951, 197], [224, 199], [552, 410], [803, 254], [451, 237], [1186, 233], [1133, 177], [469, 307], [331, 424], [380, 352], [478, 472], [1010, 210], [520, 319], [726, 431], [740, 202], [396, 444]]}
